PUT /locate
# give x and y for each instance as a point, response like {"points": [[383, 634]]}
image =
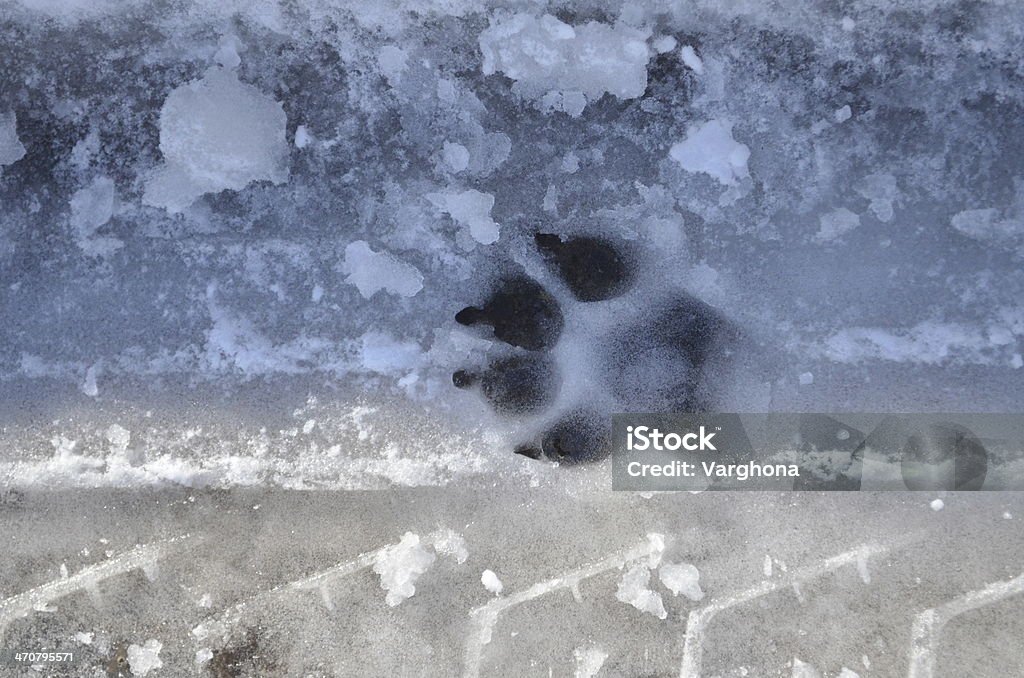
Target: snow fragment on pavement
{"points": [[491, 582], [681, 578], [471, 209], [144, 658], [634, 590], [589, 661], [848, 673], [937, 505], [710, 148], [563, 67], [399, 567], [84, 638], [450, 543], [373, 271], [217, 133], [91, 208], [11, 148]]}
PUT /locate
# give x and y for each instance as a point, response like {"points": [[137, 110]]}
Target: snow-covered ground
{"points": [[234, 214]]}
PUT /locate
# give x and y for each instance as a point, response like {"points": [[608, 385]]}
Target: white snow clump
{"points": [[145, 658], [373, 271], [711, 149], [399, 567]]}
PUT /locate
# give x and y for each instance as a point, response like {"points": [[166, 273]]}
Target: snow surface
{"points": [[224, 213]]}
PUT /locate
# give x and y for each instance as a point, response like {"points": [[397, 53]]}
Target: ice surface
{"points": [[561, 66], [399, 567], [634, 589], [373, 271], [681, 578], [710, 148], [11, 148], [217, 133], [145, 658]]}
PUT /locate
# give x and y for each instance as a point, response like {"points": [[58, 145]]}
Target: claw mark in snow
{"points": [[142, 557], [696, 624], [929, 624], [486, 616]]}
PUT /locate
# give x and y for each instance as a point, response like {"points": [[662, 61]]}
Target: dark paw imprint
{"points": [[657, 367]]}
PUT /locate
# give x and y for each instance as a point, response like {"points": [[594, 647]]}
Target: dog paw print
{"points": [[657, 366]]}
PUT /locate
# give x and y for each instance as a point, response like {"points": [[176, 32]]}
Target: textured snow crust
{"points": [[222, 221]]}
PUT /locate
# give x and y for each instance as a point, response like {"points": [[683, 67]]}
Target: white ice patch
{"points": [[456, 156], [835, 224], [217, 133], [91, 208], [634, 590], [690, 58], [11, 148], [144, 658], [804, 670], [880, 188], [84, 638], [399, 567], [711, 149], [589, 661], [471, 209], [562, 67], [681, 578], [491, 582], [373, 271]]}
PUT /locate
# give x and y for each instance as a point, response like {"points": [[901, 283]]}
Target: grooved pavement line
{"points": [[486, 616], [696, 623], [142, 557], [928, 624]]}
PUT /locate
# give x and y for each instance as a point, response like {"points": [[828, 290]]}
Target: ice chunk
{"points": [[84, 638], [491, 582], [681, 578], [392, 63], [710, 148], [373, 271], [455, 156], [804, 670], [217, 133], [562, 67], [91, 208], [144, 658], [204, 655], [848, 673], [11, 148], [634, 590], [806, 378], [766, 567], [664, 43], [399, 567], [843, 114], [471, 209], [835, 224], [589, 661], [988, 224], [89, 386], [937, 505], [881, 190], [690, 58]]}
